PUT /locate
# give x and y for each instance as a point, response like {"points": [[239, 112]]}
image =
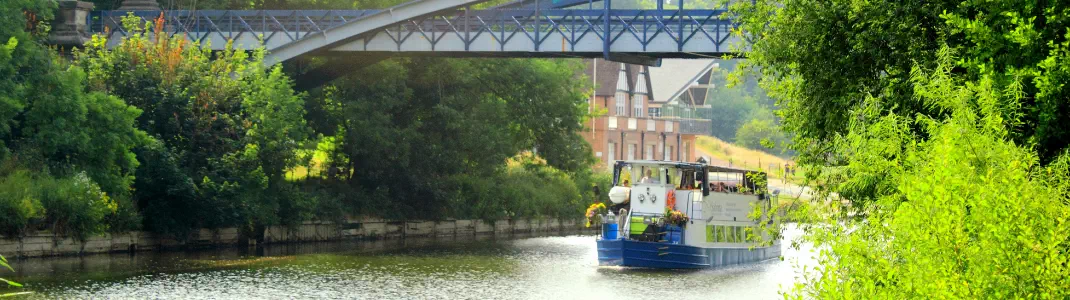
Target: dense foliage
{"points": [[66, 159], [224, 129], [168, 136], [821, 60], [740, 111], [429, 138], [963, 213], [941, 125]]}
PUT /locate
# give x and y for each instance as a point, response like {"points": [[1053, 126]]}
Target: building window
{"points": [[649, 155], [638, 111], [668, 154], [631, 152], [641, 93], [612, 154], [622, 92], [622, 100], [653, 112]]}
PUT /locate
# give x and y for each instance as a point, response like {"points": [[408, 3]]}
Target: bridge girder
{"points": [[326, 39], [447, 28]]}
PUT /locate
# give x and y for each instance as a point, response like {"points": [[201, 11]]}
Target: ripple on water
{"points": [[532, 268]]}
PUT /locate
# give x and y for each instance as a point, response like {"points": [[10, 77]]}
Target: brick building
{"points": [[632, 98]]}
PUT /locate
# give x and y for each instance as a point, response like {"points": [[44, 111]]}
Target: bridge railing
{"points": [[292, 23], [573, 24]]}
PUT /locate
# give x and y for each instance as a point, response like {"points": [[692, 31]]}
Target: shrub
{"points": [[19, 202], [964, 213], [526, 188], [75, 206]]}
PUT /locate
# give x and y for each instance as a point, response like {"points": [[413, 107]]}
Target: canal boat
{"points": [[678, 215]]}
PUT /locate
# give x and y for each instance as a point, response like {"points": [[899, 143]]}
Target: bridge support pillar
{"points": [[71, 28]]}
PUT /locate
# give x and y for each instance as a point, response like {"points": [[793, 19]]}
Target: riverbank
{"points": [[45, 243]]}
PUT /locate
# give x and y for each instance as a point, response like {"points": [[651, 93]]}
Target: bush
{"points": [[125, 218], [165, 193], [587, 181], [526, 188], [75, 206], [219, 148], [19, 202], [964, 213], [760, 134]]}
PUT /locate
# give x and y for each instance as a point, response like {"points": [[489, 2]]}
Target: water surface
{"points": [[518, 267]]}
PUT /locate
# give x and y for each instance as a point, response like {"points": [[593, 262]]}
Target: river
{"points": [[517, 267]]}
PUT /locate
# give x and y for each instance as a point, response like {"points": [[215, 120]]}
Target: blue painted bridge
{"points": [[451, 28]]}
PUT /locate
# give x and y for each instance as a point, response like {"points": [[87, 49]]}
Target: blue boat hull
{"points": [[630, 253]]}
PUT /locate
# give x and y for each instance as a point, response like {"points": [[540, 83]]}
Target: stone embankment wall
{"points": [[47, 244]]}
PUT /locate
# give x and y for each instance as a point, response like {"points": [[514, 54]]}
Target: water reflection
{"points": [[521, 267]]}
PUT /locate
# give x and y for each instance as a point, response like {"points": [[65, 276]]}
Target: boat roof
{"points": [[680, 164], [661, 163], [730, 170]]}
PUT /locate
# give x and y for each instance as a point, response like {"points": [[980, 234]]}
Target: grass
{"points": [[744, 158], [316, 166]]}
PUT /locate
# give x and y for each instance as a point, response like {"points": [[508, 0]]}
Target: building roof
{"points": [[608, 72], [675, 76], [665, 83]]}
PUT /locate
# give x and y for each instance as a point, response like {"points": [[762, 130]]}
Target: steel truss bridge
{"points": [[421, 28], [450, 28]]}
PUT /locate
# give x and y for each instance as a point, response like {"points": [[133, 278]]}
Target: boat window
{"points": [[687, 180], [666, 174], [625, 176], [719, 231], [728, 182]]}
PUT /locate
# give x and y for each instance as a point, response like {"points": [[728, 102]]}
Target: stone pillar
{"points": [[71, 26], [139, 5]]}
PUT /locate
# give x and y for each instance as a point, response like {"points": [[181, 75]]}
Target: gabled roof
{"points": [[675, 76], [608, 73]]}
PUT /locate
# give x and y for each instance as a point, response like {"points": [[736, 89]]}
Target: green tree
{"points": [[761, 132], [66, 153], [730, 107], [963, 213], [821, 59], [226, 128], [412, 137], [955, 169]]}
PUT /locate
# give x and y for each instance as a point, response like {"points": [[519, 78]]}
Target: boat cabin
{"points": [[686, 203]]}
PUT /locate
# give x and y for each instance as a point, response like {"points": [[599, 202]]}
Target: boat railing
{"points": [[665, 233]]}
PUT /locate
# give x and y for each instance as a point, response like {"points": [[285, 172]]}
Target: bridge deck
{"points": [[431, 30]]}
